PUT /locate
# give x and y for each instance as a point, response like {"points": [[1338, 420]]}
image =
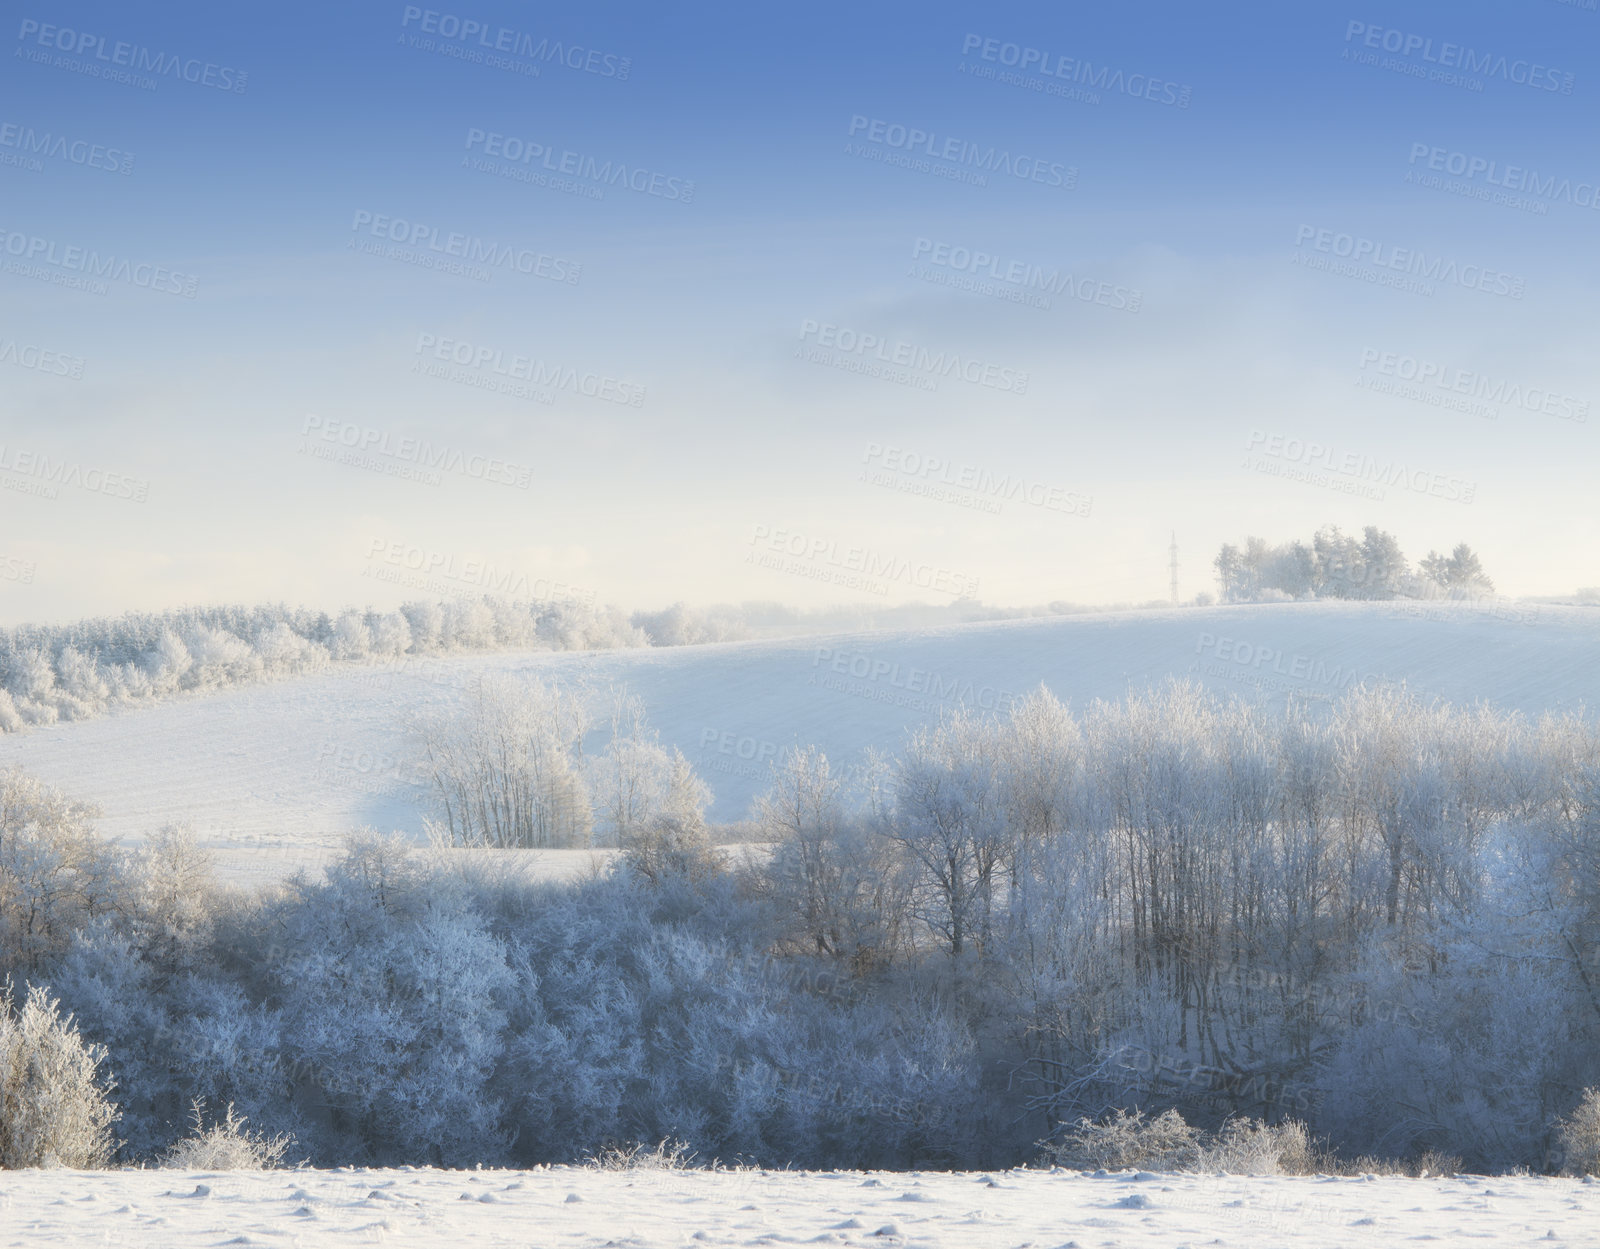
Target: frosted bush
{"points": [[54, 1108], [1251, 1147], [1167, 1143], [227, 1145], [1124, 1140], [665, 1155]]}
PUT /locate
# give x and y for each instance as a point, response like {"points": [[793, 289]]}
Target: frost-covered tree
{"points": [[833, 877], [506, 768], [1459, 573], [633, 776], [674, 844], [55, 874]]}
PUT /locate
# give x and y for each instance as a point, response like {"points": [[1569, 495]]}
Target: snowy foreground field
{"points": [[272, 777], [963, 1210]]}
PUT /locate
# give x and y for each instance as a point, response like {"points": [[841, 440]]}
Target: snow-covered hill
{"points": [[272, 776], [580, 1207]]}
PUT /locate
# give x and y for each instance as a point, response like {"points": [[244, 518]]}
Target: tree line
{"points": [[1340, 566]]}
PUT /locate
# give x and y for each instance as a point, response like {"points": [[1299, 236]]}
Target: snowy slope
{"points": [[581, 1207], [273, 775]]}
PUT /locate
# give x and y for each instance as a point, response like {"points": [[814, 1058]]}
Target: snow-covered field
{"points": [[573, 1206], [273, 776]]}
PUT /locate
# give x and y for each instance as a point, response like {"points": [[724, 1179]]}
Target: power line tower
{"points": [[1173, 565]]}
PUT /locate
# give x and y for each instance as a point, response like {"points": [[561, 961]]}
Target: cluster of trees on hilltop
{"points": [[1336, 565], [80, 670], [1382, 920]]}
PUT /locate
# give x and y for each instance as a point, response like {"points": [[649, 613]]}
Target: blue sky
{"points": [[1338, 270]]}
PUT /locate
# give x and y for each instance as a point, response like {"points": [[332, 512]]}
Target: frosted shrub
{"points": [[227, 1145], [54, 1110], [1165, 1143], [1251, 1147], [665, 1155], [1578, 1136]]}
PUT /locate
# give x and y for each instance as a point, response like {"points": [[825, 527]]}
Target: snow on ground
{"points": [[273, 776], [577, 1207]]}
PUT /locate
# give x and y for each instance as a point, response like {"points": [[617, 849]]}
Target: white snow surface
{"points": [[273, 776], [963, 1210]]}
